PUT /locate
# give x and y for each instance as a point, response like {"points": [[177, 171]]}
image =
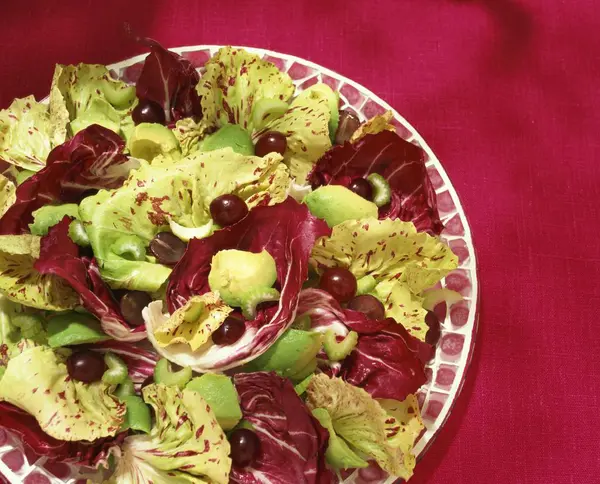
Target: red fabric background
{"points": [[506, 93]]}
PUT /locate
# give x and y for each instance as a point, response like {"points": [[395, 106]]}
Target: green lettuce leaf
{"points": [[404, 306], [361, 421], [189, 132], [91, 96], [29, 130], [186, 445], [306, 126], [193, 323], [234, 82], [402, 261], [7, 194], [20, 282], [180, 192], [38, 382]]}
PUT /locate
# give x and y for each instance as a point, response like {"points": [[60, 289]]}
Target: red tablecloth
{"points": [[506, 93]]}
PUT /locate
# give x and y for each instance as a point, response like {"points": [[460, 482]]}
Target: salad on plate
{"points": [[209, 277]]}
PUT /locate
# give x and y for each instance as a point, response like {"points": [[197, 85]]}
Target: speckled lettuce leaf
{"points": [[193, 323], [7, 194], [186, 444], [37, 381], [403, 425], [403, 306], [234, 81], [376, 124], [189, 132], [20, 282], [81, 90], [179, 192], [359, 420], [306, 127], [28, 132], [387, 250]]}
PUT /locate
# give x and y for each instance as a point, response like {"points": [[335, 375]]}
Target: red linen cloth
{"points": [[506, 93]]}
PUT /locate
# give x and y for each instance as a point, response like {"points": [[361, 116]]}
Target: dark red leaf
{"points": [[288, 232], [387, 362], [91, 160], [293, 443], [170, 81], [59, 255], [401, 163]]}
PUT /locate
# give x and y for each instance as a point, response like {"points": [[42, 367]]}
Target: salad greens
{"points": [[186, 445], [37, 381], [28, 132], [194, 220]]}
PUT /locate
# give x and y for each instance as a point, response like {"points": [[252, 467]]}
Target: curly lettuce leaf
{"points": [[38, 382], [186, 444], [306, 127], [234, 82], [91, 96], [388, 250], [180, 192], [7, 194], [91, 160], [189, 132], [293, 443], [376, 124], [287, 231], [400, 162], [170, 81], [28, 132], [360, 421], [22, 283], [194, 322], [403, 425]]}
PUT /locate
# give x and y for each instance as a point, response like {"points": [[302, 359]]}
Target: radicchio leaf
{"points": [[91, 160], [80, 452], [293, 443], [59, 255], [401, 163], [288, 232], [140, 361], [170, 81], [387, 362]]}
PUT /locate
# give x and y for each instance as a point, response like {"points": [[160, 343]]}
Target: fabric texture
{"points": [[506, 93]]}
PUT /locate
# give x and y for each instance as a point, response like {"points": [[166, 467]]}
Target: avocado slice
{"points": [[266, 110], [336, 204], [73, 328], [293, 355], [148, 140], [338, 454], [229, 136], [118, 94], [221, 396]]}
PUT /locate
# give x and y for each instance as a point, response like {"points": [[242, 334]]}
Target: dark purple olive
{"points": [[434, 333], [86, 366], [167, 248], [245, 447], [361, 187], [148, 112], [229, 332], [228, 209], [339, 282], [348, 124], [132, 303], [269, 142], [369, 305]]}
